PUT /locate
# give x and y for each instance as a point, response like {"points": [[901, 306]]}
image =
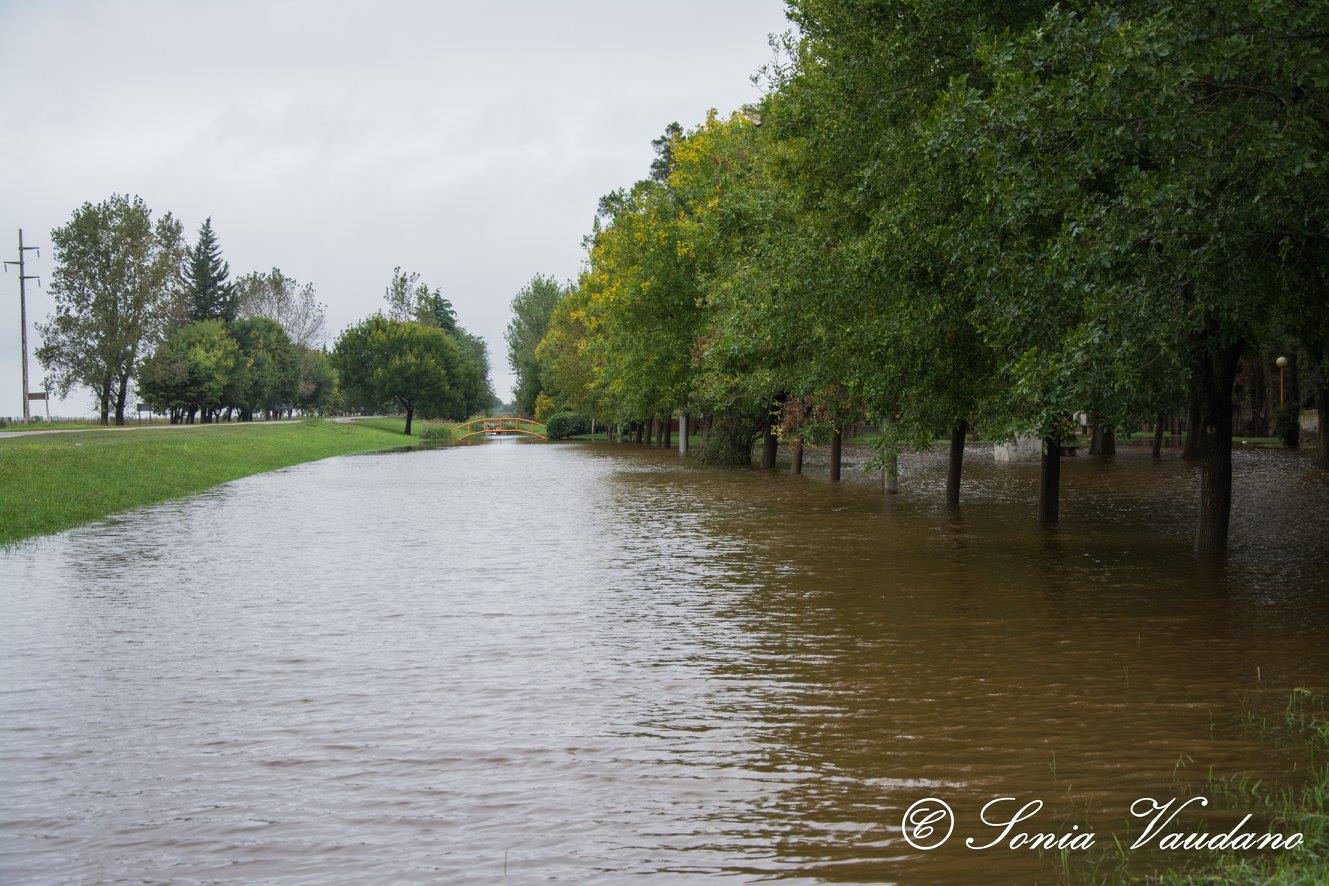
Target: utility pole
{"points": [[23, 278]]}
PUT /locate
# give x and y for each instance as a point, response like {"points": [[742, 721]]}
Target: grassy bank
{"points": [[50, 483]]}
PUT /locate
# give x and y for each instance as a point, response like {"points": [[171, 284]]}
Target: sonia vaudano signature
{"points": [[929, 823]]}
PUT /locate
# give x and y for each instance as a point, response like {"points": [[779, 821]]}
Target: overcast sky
{"points": [[467, 141]]}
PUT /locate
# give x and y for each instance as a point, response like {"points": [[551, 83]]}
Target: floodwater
{"points": [[588, 662]]}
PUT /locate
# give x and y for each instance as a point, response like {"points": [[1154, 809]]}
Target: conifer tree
{"points": [[209, 294]]}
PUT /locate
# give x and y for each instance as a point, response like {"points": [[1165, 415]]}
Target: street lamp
{"points": [[1281, 363]]}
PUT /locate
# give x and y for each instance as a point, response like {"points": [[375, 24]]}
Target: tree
{"points": [[1151, 199], [295, 306], [269, 377], [317, 391], [410, 298], [532, 308], [209, 294], [116, 271], [401, 363], [191, 371]]}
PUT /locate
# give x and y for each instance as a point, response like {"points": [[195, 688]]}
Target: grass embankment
{"points": [[50, 483], [1295, 803], [1299, 806]]}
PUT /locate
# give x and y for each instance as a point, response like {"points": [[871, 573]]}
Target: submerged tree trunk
{"points": [[1216, 372], [1049, 487], [1159, 425], [683, 431], [410, 413], [1322, 407], [728, 439], [890, 474], [837, 446], [956, 464], [769, 443], [639, 433], [798, 455], [1107, 443]]}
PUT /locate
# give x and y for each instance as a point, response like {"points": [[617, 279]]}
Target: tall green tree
{"points": [[532, 307], [208, 291], [401, 364], [116, 274]]}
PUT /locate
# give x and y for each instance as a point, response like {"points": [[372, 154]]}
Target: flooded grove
{"points": [[586, 662]]}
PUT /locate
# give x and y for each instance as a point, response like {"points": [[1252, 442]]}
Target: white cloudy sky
{"points": [[468, 141]]}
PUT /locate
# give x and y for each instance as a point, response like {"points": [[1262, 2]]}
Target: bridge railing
{"points": [[498, 424]]}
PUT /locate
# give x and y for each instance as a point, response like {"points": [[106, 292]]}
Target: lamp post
{"points": [[1281, 363]]}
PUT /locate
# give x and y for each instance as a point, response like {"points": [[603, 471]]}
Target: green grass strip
{"points": [[51, 483]]}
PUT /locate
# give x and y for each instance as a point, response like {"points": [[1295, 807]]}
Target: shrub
{"points": [[544, 407], [562, 425], [437, 434]]}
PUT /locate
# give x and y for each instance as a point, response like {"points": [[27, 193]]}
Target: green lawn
{"points": [[50, 483]]}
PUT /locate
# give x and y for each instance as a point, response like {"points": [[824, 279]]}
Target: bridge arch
{"points": [[498, 426]]}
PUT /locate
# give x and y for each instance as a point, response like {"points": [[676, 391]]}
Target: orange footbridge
{"points": [[496, 426]]}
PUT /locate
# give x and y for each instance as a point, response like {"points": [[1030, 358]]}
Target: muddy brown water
{"points": [[585, 662]]}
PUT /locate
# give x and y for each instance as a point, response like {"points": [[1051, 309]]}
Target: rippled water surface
{"points": [[586, 662]]}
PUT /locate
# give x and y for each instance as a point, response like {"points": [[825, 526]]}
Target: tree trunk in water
{"points": [[769, 442], [683, 432], [890, 475], [1095, 437], [956, 464], [1158, 436], [667, 431], [120, 395], [837, 445], [640, 431], [1107, 443], [410, 414], [798, 455], [1216, 374], [1049, 488], [1322, 406], [728, 439], [1190, 449], [1292, 406]]}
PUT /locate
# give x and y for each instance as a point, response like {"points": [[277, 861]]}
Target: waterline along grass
{"points": [[1301, 805], [54, 482]]}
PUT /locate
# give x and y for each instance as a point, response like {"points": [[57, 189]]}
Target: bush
{"points": [[437, 434], [562, 425]]}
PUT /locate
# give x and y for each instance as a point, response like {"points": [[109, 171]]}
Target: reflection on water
{"points": [[585, 662]]}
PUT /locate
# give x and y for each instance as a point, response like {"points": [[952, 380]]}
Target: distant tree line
{"points": [[139, 308], [947, 218]]}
